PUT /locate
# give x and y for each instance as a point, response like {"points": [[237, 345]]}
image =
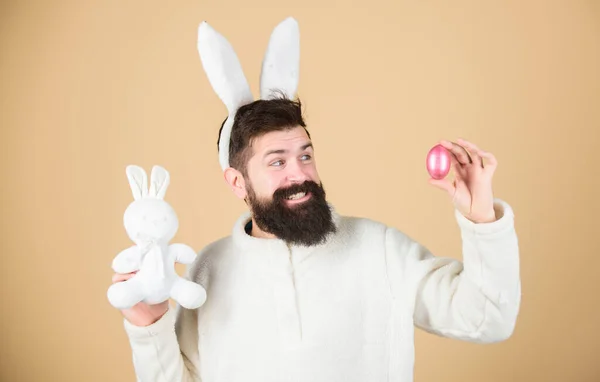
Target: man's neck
{"points": [[259, 233]]}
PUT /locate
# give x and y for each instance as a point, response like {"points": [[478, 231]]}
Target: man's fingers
{"points": [[460, 153], [118, 277], [475, 151], [491, 159]]}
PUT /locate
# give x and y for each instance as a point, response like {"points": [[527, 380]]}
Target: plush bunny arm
{"points": [[127, 260], [182, 253]]}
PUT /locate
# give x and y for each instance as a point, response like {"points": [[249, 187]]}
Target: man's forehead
{"points": [[283, 140]]}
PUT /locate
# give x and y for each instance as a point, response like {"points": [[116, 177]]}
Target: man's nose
{"points": [[296, 173]]}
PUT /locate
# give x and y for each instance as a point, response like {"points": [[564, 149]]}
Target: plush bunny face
{"points": [[150, 218]]}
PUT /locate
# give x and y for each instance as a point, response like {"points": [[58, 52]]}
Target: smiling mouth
{"points": [[298, 198]]}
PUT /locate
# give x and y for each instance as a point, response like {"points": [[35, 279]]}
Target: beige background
{"points": [[90, 87]]}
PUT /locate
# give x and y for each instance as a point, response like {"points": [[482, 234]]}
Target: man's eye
{"points": [[306, 157], [277, 163]]}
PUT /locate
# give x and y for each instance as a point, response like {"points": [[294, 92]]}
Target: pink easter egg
{"points": [[438, 162]]}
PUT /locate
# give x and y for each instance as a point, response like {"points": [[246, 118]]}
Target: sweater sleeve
{"points": [[164, 351], [476, 299]]}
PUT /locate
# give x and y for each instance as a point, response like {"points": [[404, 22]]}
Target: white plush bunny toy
{"points": [[151, 223]]}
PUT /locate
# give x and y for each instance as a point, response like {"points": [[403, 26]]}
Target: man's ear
{"points": [[235, 181]]}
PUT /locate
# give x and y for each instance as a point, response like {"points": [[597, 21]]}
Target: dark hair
{"points": [[256, 119]]}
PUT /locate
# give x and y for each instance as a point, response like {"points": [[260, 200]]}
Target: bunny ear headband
{"points": [[279, 72]]}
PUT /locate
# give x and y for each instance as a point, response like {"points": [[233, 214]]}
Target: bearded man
{"points": [[297, 292]]}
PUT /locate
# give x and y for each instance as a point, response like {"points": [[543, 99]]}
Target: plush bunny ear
{"points": [[281, 63], [159, 181], [138, 181]]}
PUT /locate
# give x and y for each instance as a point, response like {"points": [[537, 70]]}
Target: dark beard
{"points": [[307, 223]]}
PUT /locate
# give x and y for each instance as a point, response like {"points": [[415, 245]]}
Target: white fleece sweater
{"points": [[343, 311]]}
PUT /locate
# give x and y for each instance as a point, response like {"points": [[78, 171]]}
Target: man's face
{"points": [[283, 188]]}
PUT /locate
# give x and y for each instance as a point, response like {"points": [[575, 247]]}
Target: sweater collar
{"points": [[254, 244]]}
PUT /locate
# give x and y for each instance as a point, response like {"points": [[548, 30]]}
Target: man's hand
{"points": [[471, 189], [141, 314]]}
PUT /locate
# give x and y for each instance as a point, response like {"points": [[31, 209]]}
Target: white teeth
{"points": [[297, 196]]}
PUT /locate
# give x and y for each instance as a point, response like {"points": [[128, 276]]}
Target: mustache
{"points": [[308, 223], [307, 187]]}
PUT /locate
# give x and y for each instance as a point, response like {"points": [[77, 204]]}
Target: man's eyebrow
{"points": [[282, 151]]}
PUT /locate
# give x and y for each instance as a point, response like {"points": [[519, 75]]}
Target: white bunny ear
{"points": [[159, 181], [138, 181], [223, 68], [225, 74], [280, 69]]}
